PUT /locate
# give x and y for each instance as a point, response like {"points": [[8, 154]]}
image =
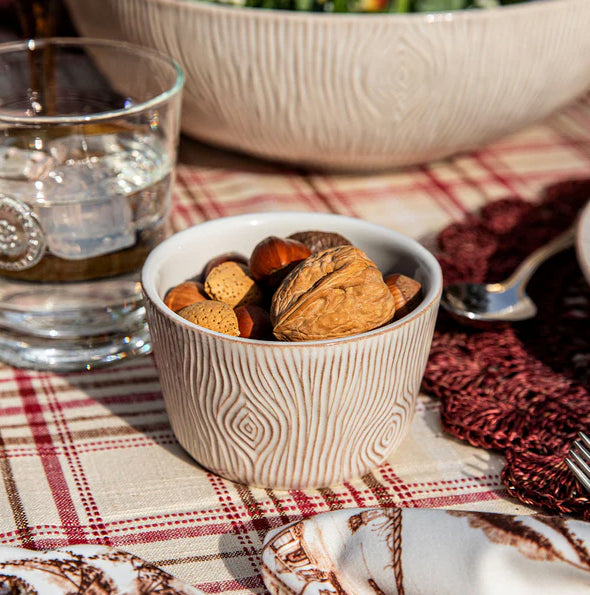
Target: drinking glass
{"points": [[88, 138]]}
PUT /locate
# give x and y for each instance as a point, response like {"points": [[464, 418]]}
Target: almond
{"points": [[227, 256], [232, 283], [216, 316]]}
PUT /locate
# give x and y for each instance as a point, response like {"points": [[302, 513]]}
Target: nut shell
{"points": [[317, 241], [232, 283], [273, 258], [406, 292], [216, 316], [227, 256], [254, 322], [334, 293], [184, 294]]}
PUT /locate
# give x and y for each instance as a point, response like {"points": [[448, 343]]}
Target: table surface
{"points": [[90, 457]]}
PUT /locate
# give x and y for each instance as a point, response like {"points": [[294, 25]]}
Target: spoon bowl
{"points": [[492, 302], [506, 301]]}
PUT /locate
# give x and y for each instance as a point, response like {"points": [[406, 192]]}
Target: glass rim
{"points": [[30, 44]]}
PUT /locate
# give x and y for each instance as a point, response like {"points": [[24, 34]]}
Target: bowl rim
{"points": [[155, 260], [464, 14]]}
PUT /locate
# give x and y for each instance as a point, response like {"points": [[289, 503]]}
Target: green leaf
{"points": [[438, 5]]}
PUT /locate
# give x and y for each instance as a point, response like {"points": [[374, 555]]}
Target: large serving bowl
{"points": [[358, 91], [284, 414]]}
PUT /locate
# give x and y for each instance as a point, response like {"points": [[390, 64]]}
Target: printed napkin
{"points": [[83, 570], [388, 551]]}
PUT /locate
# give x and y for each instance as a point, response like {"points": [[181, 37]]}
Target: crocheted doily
{"points": [[520, 388]]}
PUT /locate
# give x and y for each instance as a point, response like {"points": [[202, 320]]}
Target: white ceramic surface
{"points": [[583, 241], [84, 570], [358, 91], [427, 552], [289, 415]]}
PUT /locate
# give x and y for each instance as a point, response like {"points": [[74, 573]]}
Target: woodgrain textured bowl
{"points": [[366, 91], [289, 415]]}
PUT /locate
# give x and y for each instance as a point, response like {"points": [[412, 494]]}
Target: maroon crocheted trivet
{"points": [[521, 388]]}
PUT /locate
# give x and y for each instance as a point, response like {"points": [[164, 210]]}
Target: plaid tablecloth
{"points": [[90, 457]]}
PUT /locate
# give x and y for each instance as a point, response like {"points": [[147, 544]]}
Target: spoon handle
{"points": [[531, 263]]}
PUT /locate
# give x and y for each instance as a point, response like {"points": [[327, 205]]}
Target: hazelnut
{"points": [[254, 322], [226, 257], [317, 241], [406, 292], [274, 257], [232, 283], [215, 316], [184, 294]]}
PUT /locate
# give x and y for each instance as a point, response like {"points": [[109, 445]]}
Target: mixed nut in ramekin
{"points": [[311, 285], [291, 413]]}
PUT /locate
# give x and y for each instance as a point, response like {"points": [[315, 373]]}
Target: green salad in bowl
{"points": [[399, 6], [361, 91]]}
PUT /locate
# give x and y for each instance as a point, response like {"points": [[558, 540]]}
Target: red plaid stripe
{"points": [[91, 458]]}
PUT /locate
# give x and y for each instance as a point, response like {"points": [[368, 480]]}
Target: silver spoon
{"points": [[505, 301]]}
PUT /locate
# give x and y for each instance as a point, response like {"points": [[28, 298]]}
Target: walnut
{"points": [[334, 293], [317, 241]]}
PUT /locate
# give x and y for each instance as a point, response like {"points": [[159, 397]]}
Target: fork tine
{"points": [[585, 439], [577, 471], [578, 459], [583, 450]]}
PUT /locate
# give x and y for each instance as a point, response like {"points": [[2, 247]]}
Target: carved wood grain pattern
{"points": [[359, 91], [284, 416]]}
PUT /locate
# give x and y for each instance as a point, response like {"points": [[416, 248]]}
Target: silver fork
{"points": [[578, 459]]}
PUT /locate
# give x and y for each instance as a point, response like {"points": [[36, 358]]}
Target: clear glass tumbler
{"points": [[88, 138]]}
